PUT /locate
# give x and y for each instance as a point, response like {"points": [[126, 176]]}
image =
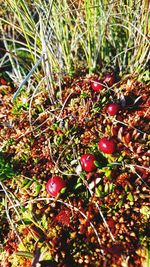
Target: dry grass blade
{"points": [[27, 77]]}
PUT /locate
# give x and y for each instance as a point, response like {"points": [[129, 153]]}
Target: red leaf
{"points": [[127, 138]]}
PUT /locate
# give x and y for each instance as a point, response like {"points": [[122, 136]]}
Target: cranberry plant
{"points": [[75, 127], [6, 168]]}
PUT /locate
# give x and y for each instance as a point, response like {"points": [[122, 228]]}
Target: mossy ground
{"points": [[102, 217]]}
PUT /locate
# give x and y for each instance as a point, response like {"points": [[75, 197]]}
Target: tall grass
{"points": [[74, 34]]}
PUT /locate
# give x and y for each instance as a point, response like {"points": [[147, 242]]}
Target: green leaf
{"points": [[11, 141], [84, 95], [58, 140], [37, 189], [76, 140], [23, 209], [108, 173], [6, 169], [44, 221], [28, 184], [78, 185], [27, 221], [126, 188], [130, 197], [73, 130], [97, 192], [82, 176], [106, 187], [111, 187], [25, 254], [97, 164], [100, 188], [120, 203], [63, 190], [55, 126], [25, 181], [103, 99]]}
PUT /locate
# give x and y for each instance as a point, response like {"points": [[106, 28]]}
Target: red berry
{"points": [[54, 185], [109, 79], [97, 85], [107, 145], [3, 82], [87, 162], [112, 109]]}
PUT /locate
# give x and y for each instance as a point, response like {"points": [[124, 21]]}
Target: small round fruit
{"points": [[87, 162], [97, 85], [109, 79], [112, 109], [107, 145], [3, 82], [54, 185]]}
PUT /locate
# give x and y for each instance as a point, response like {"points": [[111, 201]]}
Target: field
{"points": [[74, 133]]}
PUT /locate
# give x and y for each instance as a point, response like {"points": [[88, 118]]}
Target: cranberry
{"points": [[109, 79], [54, 185], [3, 82], [112, 109], [87, 162], [97, 85], [107, 145]]}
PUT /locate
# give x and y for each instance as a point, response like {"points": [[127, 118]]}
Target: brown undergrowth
{"points": [[102, 217]]}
